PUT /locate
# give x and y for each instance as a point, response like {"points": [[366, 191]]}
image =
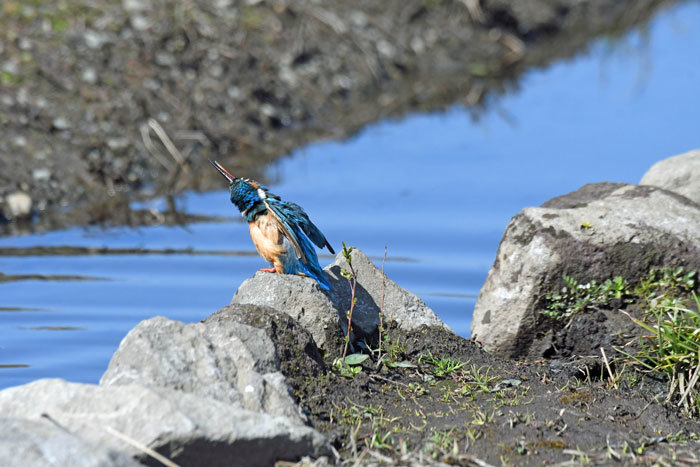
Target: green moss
{"points": [[10, 79]]}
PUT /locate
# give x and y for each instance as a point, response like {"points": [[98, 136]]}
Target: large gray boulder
{"points": [[188, 429], [680, 174], [41, 443], [224, 358], [323, 313], [598, 232]]}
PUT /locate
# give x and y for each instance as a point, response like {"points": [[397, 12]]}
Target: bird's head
{"points": [[244, 192]]}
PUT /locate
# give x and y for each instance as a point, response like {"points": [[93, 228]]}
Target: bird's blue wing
{"points": [[293, 226], [287, 224], [309, 228]]}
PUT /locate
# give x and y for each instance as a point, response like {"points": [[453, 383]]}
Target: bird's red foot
{"points": [[268, 269]]}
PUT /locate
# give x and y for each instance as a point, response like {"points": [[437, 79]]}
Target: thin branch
{"points": [[157, 456], [381, 310]]}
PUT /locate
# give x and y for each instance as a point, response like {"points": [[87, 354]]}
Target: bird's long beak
{"points": [[223, 171]]}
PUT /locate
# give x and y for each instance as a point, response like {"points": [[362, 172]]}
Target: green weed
{"points": [[441, 367], [351, 277], [574, 297], [665, 281], [673, 348]]}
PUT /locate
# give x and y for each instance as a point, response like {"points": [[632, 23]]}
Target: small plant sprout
{"points": [[351, 276], [350, 365], [442, 367], [575, 297]]}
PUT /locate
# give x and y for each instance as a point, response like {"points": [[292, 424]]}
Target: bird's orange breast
{"points": [[268, 239]]}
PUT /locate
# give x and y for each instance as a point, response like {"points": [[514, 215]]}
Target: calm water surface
{"points": [[438, 189]]}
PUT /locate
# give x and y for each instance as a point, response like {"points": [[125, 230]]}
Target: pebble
{"points": [[118, 143], [134, 5], [164, 59], [61, 123], [386, 48], [41, 174], [89, 75], [94, 39], [140, 23], [19, 204]]}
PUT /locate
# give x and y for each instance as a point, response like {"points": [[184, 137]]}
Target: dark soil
{"points": [[492, 411], [92, 93]]}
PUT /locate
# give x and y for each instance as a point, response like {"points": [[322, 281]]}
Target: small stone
{"points": [[41, 174], [151, 84], [342, 81], [89, 75], [61, 123], [359, 19], [117, 144], [385, 48], [24, 43], [140, 23], [23, 96], [94, 39], [134, 5], [234, 92], [19, 204], [216, 70], [164, 59], [417, 45], [268, 110]]}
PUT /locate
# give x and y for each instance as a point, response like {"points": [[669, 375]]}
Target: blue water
{"points": [[437, 188]]}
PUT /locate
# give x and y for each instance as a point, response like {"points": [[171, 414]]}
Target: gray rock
{"points": [[295, 349], [400, 305], [680, 174], [222, 359], [598, 232], [186, 428], [43, 443], [299, 297], [323, 313]]}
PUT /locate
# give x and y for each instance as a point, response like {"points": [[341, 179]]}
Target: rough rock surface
{"points": [[189, 429], [598, 232], [680, 174], [295, 349], [222, 359], [321, 312], [41, 443], [299, 297]]}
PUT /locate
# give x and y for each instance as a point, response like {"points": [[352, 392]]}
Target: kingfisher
{"points": [[281, 231]]}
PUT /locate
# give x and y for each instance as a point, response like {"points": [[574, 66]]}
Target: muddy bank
{"points": [[444, 401], [106, 102]]}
